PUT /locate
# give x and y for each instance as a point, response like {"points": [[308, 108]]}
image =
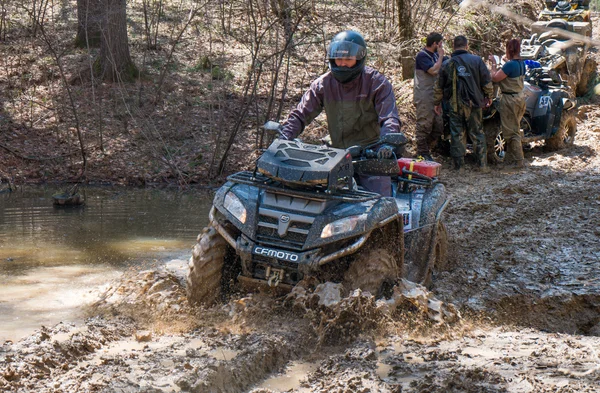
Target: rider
{"points": [[359, 103]]}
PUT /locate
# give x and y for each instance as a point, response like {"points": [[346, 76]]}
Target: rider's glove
{"points": [[385, 151]]}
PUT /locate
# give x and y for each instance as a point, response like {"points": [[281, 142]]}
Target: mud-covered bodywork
{"points": [[427, 205], [560, 40], [544, 109], [283, 228], [300, 213], [571, 11]]}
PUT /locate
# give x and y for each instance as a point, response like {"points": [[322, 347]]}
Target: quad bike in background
{"points": [[301, 216], [570, 11], [549, 114], [564, 28]]}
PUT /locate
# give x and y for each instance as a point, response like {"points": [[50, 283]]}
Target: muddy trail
{"points": [[523, 274], [517, 310]]}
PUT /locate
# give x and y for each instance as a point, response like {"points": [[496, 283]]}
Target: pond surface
{"points": [[51, 258]]}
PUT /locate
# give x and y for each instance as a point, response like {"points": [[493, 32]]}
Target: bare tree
{"points": [[38, 14], [57, 58], [406, 31], [114, 62], [3, 19], [152, 12], [89, 21]]}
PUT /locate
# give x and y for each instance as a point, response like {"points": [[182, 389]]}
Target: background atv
{"points": [[300, 215], [549, 115], [564, 27], [570, 11]]}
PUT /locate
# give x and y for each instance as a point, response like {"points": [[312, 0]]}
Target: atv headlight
{"points": [[235, 207], [342, 226]]}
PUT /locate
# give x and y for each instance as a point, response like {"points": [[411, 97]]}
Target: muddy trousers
{"points": [[467, 121], [512, 109], [429, 127]]}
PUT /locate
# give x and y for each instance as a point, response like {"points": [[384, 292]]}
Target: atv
{"points": [[300, 216], [553, 44], [571, 11], [549, 114]]}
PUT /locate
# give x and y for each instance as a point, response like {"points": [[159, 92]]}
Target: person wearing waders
{"points": [[359, 103], [466, 83], [427, 66], [510, 79]]}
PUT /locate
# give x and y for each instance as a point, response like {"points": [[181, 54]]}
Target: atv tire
{"points": [[439, 257], [565, 136], [587, 74], [371, 270], [496, 144], [206, 267], [441, 248]]}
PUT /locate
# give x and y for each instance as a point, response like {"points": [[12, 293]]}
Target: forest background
{"points": [[147, 92]]}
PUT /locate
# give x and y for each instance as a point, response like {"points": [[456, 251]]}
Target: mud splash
{"points": [[145, 338], [336, 317], [153, 297]]}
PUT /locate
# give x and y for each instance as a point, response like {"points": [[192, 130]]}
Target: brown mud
{"points": [[524, 268]]}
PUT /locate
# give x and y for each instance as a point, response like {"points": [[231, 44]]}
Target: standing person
{"points": [[427, 66], [510, 79], [359, 103], [466, 84]]}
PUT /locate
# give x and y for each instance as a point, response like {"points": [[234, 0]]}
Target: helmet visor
{"points": [[346, 50]]}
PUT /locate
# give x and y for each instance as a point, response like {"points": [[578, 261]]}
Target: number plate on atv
{"points": [[272, 253]]}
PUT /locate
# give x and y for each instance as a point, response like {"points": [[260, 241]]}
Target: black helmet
{"points": [[347, 44]]}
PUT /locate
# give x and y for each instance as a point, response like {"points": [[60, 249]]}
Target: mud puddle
{"points": [[159, 342], [292, 377]]}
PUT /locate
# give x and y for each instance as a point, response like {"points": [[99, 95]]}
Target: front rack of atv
{"points": [[316, 192]]}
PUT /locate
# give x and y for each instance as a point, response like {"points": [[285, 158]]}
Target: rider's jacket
{"points": [[358, 112], [464, 81]]}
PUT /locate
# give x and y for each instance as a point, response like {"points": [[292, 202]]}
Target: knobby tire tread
{"points": [[370, 269], [206, 267]]}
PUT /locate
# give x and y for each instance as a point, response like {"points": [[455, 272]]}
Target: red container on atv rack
{"points": [[427, 168]]}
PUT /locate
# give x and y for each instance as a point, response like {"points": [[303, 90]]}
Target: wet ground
{"points": [[524, 264], [53, 259], [523, 271]]}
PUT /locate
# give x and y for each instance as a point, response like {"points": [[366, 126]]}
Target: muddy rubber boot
{"points": [[519, 164], [484, 169], [459, 164]]}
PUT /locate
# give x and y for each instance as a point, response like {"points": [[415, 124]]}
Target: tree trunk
{"points": [[405, 28], [89, 21], [114, 62]]}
